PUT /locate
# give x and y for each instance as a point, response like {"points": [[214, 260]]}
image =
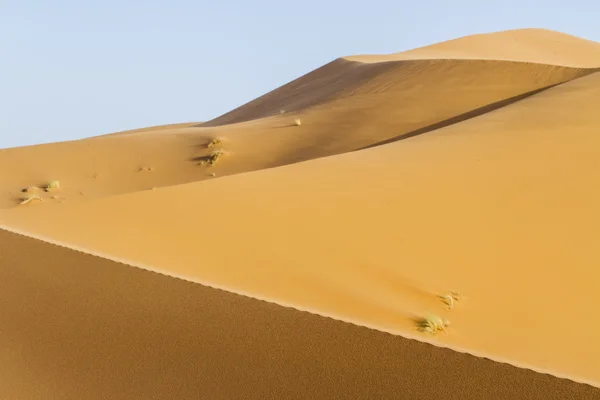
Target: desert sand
{"points": [[344, 203], [75, 326]]}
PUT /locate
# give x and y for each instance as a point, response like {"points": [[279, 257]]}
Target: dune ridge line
{"points": [[295, 307]]}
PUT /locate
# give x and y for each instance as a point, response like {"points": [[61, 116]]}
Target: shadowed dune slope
{"points": [[352, 75], [74, 326], [353, 87], [502, 208]]}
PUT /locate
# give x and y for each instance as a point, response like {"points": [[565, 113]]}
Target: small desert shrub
{"points": [[52, 185], [432, 324], [214, 142], [214, 157], [297, 122], [449, 299]]}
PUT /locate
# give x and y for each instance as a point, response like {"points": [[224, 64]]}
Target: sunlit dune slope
{"points": [[540, 46], [74, 326], [502, 208], [401, 99]]}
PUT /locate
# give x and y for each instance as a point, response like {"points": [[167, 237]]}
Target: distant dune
{"points": [[361, 192], [540, 46], [344, 106]]}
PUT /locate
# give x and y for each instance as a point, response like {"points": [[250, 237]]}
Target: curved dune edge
{"points": [[530, 44], [400, 58], [346, 77], [104, 331], [412, 99], [419, 338], [154, 128]]}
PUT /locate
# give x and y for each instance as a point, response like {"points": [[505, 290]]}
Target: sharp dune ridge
{"points": [[346, 77], [541, 46], [189, 279], [462, 117], [124, 370], [315, 201], [526, 46]]}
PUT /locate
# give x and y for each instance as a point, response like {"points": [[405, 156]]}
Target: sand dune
{"points": [[540, 46], [505, 199], [104, 330], [344, 106], [354, 75], [407, 178], [169, 127]]}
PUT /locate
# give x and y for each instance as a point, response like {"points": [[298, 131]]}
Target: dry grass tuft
{"points": [[214, 157], [432, 324], [297, 122], [450, 298], [52, 185], [214, 142]]}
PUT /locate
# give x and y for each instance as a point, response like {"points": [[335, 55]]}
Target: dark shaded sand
{"points": [[75, 326]]}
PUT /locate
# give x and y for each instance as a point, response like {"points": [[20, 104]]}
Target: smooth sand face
{"points": [[527, 45], [479, 179], [365, 105], [500, 208], [73, 326]]}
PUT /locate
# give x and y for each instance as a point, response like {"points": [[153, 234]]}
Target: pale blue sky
{"points": [[73, 68]]}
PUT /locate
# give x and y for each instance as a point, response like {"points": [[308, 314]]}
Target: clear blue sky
{"points": [[71, 68]]}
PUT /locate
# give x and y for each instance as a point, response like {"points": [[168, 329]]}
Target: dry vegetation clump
{"points": [[297, 122], [449, 299], [214, 142], [215, 156], [52, 185], [432, 324], [212, 158]]}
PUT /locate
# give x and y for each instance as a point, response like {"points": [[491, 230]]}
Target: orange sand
{"points": [[73, 326], [467, 166]]}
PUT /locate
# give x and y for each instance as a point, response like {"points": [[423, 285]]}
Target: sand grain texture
{"points": [[104, 330]]}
